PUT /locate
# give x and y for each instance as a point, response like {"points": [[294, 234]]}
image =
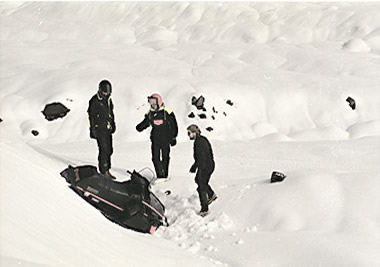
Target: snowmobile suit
{"points": [[102, 126], [163, 134], [205, 165]]}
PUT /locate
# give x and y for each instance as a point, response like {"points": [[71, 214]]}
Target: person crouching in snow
{"points": [[204, 165], [102, 125], [163, 134]]}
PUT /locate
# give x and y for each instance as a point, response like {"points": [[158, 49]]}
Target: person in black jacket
{"points": [[163, 134], [102, 125], [204, 165]]}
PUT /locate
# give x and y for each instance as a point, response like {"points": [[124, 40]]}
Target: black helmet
{"points": [[105, 87]]}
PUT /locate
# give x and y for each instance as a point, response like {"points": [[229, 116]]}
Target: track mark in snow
{"points": [[188, 229]]}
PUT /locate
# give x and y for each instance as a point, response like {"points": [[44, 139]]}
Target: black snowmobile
{"points": [[130, 204]]}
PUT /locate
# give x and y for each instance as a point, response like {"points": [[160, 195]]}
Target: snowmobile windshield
{"points": [[148, 174]]}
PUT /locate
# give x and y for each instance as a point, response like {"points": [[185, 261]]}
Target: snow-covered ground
{"points": [[286, 67]]}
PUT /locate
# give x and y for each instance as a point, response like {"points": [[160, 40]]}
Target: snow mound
{"points": [[157, 37], [261, 129], [364, 129], [356, 45], [293, 204], [318, 134]]}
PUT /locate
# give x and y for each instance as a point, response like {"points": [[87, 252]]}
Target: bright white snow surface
{"points": [[286, 67]]}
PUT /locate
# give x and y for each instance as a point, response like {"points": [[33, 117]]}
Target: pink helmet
{"points": [[159, 99]]}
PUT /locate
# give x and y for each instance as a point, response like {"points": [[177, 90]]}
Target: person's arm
{"points": [[202, 151], [112, 118], [91, 119], [173, 126], [144, 124]]}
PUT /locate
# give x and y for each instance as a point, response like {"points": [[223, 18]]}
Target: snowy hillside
{"points": [[275, 77]]}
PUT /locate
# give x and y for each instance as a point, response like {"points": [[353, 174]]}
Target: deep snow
{"points": [[287, 68]]}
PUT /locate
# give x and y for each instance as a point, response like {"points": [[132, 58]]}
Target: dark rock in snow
{"points": [[277, 177], [202, 116], [210, 129], [214, 110], [198, 102], [224, 113], [351, 102], [194, 100], [229, 102], [1, 119], [54, 111], [191, 115], [35, 132], [213, 117]]}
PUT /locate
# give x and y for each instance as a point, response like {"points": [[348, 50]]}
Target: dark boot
{"points": [[211, 195], [160, 173], [212, 198], [204, 203]]}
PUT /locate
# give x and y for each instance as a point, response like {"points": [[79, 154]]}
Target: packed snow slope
{"points": [[286, 69]]}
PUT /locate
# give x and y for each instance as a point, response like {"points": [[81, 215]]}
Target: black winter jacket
{"points": [[203, 156], [100, 113], [164, 125]]}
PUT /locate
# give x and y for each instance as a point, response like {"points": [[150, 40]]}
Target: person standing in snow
{"points": [[102, 125], [204, 165], [163, 134]]}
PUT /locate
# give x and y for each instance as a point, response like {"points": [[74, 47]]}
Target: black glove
{"points": [[93, 133], [113, 128], [139, 128], [173, 142], [193, 168]]}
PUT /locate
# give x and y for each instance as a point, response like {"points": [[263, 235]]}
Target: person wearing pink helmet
{"points": [[163, 134]]}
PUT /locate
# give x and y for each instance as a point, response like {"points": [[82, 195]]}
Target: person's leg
{"points": [[109, 150], [156, 158], [210, 192], [201, 180], [104, 152], [165, 159]]}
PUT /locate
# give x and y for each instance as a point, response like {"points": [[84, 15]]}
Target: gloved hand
{"points": [[173, 142], [93, 133], [113, 128], [139, 128], [193, 168]]}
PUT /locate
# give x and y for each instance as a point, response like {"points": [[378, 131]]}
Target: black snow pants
{"points": [[202, 178], [104, 141], [161, 158]]}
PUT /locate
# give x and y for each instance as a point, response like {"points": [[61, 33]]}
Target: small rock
{"points": [[35, 132], [54, 111], [214, 110], [1, 119], [202, 116], [277, 177], [213, 117], [210, 129], [229, 102], [198, 102], [191, 115], [351, 102], [224, 113]]}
